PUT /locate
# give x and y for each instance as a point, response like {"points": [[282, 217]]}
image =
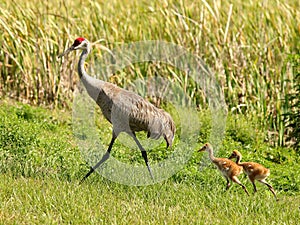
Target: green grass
{"points": [[41, 167], [50, 201]]}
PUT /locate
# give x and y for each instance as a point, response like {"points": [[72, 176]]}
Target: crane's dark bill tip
{"points": [[66, 52], [201, 150]]}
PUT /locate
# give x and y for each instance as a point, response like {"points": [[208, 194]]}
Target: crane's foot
{"points": [[87, 175], [104, 158], [150, 171], [245, 189]]}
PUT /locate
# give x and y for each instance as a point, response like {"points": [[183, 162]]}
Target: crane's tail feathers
{"points": [[153, 135]]}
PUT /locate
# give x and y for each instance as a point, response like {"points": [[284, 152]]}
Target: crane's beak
{"points": [[231, 156], [66, 52], [202, 149]]}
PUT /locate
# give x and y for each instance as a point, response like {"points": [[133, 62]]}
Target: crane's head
{"points": [[79, 43], [234, 154], [205, 147]]}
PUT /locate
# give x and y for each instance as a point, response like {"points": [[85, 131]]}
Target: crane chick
{"points": [[254, 171], [229, 169]]}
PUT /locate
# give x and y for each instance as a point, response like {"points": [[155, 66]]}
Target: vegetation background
{"points": [[251, 46]]}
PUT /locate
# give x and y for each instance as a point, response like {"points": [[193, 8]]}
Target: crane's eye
{"points": [[76, 43]]}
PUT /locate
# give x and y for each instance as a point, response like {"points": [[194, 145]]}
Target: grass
{"points": [[50, 201], [292, 117], [41, 167]]}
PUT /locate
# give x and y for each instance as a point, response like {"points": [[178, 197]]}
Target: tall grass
{"points": [[292, 117], [246, 43]]}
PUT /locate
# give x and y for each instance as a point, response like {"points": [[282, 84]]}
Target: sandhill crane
{"points": [[255, 171], [125, 110], [229, 169]]}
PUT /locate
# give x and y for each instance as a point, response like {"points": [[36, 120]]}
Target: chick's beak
{"points": [[66, 52], [201, 149]]}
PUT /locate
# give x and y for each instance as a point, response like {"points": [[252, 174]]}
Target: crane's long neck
{"points": [[81, 70], [211, 154], [238, 159], [93, 86]]}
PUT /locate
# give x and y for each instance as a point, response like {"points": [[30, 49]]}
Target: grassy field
{"points": [[50, 201], [247, 44], [252, 48], [41, 167]]}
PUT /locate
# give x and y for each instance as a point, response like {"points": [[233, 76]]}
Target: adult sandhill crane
{"points": [[255, 171], [229, 169], [125, 110]]}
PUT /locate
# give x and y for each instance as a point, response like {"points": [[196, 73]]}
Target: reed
{"points": [[245, 43]]}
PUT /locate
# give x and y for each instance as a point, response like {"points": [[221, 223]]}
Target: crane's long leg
{"points": [[144, 154], [254, 186], [270, 188], [236, 180], [228, 183], [104, 158]]}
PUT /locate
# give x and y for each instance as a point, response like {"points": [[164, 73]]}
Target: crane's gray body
{"points": [[125, 110]]}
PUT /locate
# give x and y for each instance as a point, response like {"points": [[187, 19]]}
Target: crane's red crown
{"points": [[78, 41]]}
